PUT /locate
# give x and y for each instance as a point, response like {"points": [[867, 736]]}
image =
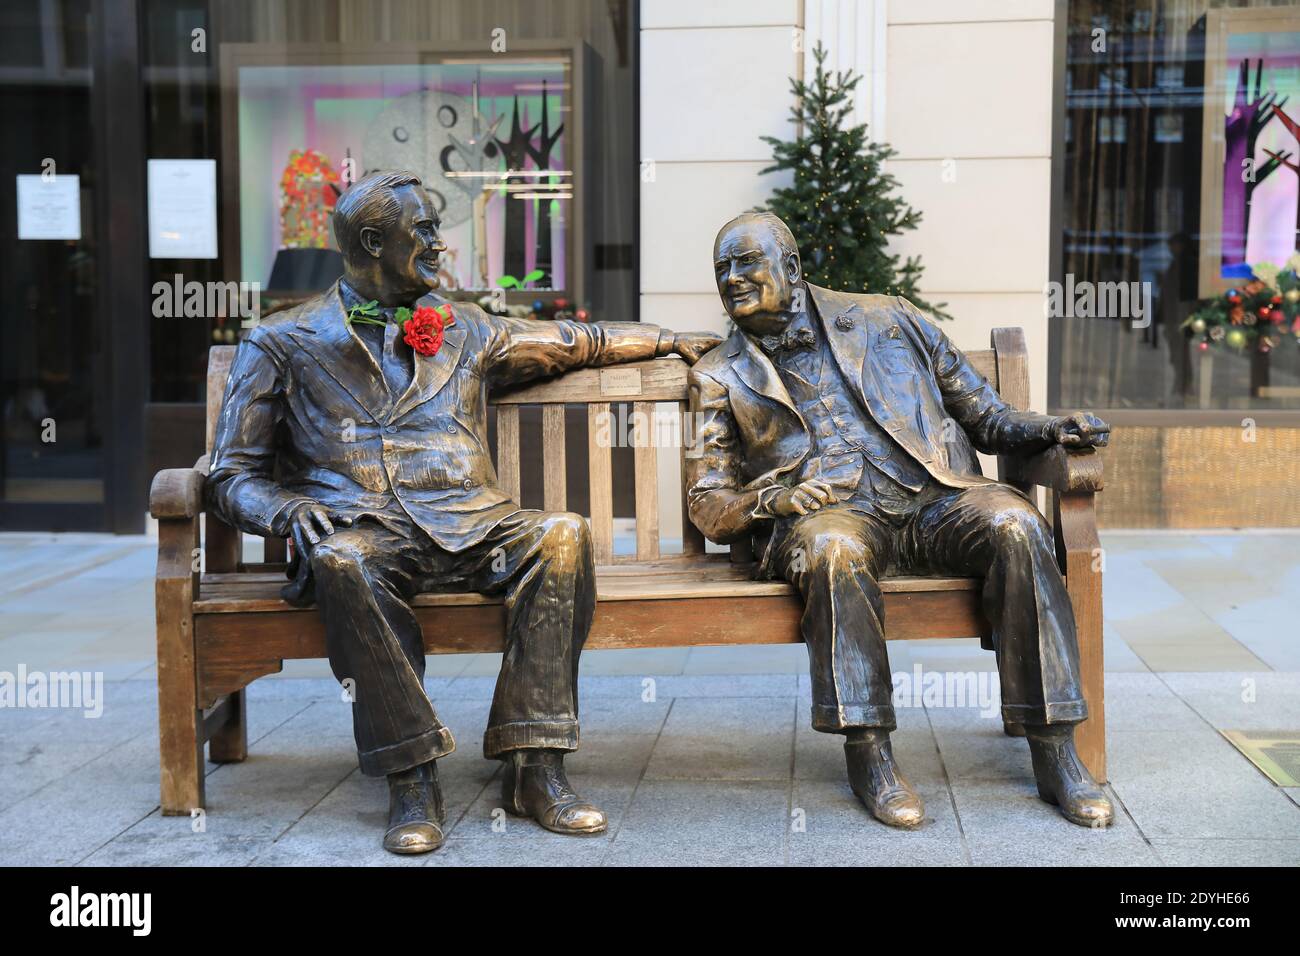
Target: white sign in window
{"points": [[49, 208], [182, 209]]}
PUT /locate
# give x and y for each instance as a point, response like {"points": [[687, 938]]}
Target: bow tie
{"points": [[791, 340]]}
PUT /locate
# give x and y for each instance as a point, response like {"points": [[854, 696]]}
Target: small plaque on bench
{"points": [[620, 381]]}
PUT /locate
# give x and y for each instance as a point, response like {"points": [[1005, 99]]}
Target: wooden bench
{"points": [[222, 628]]}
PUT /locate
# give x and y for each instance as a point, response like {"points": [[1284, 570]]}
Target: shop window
{"points": [[1182, 184]]}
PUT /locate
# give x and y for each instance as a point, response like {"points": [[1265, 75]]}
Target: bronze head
{"points": [[756, 264], [388, 232]]}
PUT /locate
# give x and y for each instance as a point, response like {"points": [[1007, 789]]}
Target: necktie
{"points": [[396, 361]]}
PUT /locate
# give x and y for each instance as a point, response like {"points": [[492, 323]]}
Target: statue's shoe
{"points": [[1064, 781], [880, 785], [415, 811], [534, 785]]}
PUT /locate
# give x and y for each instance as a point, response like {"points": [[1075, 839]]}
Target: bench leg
{"points": [[230, 743], [180, 721], [180, 745], [1090, 737], [1076, 531]]}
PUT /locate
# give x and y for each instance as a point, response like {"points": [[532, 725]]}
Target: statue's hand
{"points": [[309, 523], [802, 498], [692, 346], [1081, 430]]}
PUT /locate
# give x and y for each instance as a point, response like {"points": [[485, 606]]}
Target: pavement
{"points": [[700, 756]]}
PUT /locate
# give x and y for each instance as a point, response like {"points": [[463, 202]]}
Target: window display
{"points": [[1181, 176], [491, 136], [1251, 177]]}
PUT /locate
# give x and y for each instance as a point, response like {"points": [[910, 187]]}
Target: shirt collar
{"points": [[349, 295]]}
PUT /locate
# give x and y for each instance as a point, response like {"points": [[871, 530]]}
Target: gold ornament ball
{"points": [[1292, 295], [1198, 326]]}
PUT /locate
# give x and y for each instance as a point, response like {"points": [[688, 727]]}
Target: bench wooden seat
{"points": [[639, 605], [222, 628]]}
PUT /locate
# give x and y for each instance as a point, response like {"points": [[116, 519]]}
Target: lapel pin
{"points": [[844, 323]]}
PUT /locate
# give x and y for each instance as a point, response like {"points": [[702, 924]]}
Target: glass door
{"points": [[52, 344]]}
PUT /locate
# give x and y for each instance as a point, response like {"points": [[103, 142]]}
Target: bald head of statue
{"points": [[757, 268]]}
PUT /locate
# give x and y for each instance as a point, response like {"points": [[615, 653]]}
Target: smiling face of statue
{"points": [[756, 277], [401, 261]]}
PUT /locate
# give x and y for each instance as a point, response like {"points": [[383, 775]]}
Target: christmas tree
{"points": [[840, 206]]}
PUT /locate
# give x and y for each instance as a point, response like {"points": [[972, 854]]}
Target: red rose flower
{"points": [[423, 331]]}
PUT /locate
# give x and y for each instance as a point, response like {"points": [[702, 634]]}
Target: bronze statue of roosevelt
{"points": [[839, 432], [356, 424]]}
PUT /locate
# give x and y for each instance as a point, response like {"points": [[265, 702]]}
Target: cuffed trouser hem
{"points": [[430, 745], [836, 720], [530, 735], [1062, 712]]}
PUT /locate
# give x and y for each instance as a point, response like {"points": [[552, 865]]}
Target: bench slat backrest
{"points": [[220, 358], [644, 385]]}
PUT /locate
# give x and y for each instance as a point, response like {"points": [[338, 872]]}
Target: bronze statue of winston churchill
{"points": [[839, 431], [356, 423]]}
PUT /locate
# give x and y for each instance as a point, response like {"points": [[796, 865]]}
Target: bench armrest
{"points": [[176, 493], [1059, 468]]}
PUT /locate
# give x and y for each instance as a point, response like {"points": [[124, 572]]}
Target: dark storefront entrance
{"points": [[99, 390]]}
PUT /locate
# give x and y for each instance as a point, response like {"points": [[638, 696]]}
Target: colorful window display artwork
{"points": [[1251, 191], [309, 187], [489, 139]]}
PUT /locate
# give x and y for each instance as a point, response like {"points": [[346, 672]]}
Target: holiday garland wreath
{"points": [[1259, 315]]}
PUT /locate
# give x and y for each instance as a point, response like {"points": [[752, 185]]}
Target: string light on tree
{"points": [[841, 189]]}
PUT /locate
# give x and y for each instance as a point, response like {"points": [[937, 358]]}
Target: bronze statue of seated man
{"points": [[840, 432], [356, 423]]}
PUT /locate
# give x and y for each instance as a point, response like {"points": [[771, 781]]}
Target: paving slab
{"points": [[1195, 784], [703, 822], [1007, 824], [726, 739], [1137, 702], [1241, 700], [1228, 852]]}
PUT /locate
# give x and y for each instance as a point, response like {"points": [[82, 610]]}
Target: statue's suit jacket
{"points": [[305, 390], [900, 369]]}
